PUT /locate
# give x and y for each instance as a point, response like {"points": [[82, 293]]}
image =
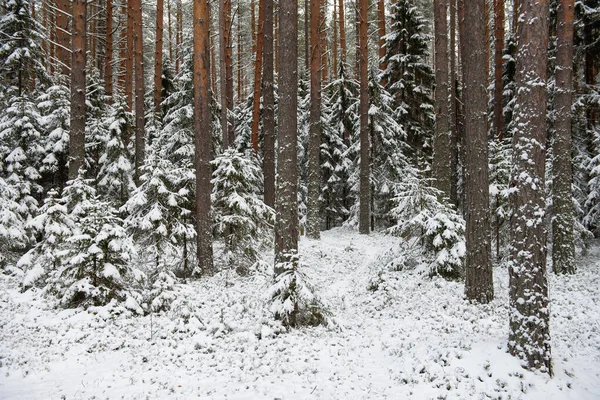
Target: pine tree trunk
{"points": [[78, 51], [240, 95], [364, 221], [334, 45], [441, 141], [170, 32], [158, 56], [563, 248], [202, 135], [130, 57], [213, 66], [342, 33], [381, 33], [479, 285], [257, 77], [268, 107], [286, 207], [529, 336], [123, 55], [499, 49], [92, 31], [226, 72], [453, 109], [324, 54], [63, 36], [108, 60], [139, 88], [178, 36], [47, 29], [314, 139]]}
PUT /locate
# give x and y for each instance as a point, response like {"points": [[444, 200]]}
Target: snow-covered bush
{"points": [[241, 217], [431, 224], [292, 298]]}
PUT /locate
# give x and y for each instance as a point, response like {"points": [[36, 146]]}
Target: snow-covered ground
{"points": [[410, 337]]}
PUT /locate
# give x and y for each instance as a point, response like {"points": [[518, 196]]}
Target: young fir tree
{"points": [[13, 236], [96, 127], [241, 218], [408, 77]]}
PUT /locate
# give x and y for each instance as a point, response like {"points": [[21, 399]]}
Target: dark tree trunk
{"points": [[78, 51], [453, 108], [257, 77], [225, 70], [268, 107], [334, 45], [108, 60], [138, 42], [342, 34], [158, 56], [529, 336], [202, 136], [441, 140], [314, 140], [130, 57], [499, 49], [63, 36], [364, 221], [286, 207], [563, 248], [479, 285], [324, 54]]}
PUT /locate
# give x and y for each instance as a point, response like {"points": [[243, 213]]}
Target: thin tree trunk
{"points": [[441, 141], [269, 107], [381, 32], [453, 110], [323, 30], [139, 88], [479, 285], [130, 57], [342, 33], [108, 60], [123, 56], [364, 221], [529, 333], [225, 70], [178, 36], [314, 140], [334, 48], [563, 247], [92, 31], [257, 77], [286, 222], [78, 50], [202, 135], [240, 95], [499, 49], [158, 56], [276, 14], [63, 36], [170, 31]]}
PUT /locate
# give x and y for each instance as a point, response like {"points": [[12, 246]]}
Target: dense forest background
{"points": [[144, 143]]}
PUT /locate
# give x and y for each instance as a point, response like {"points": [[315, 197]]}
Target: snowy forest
{"points": [[281, 199]]}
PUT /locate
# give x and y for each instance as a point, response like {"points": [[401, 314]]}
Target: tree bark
{"points": [[342, 33], [63, 36], [240, 95], [130, 57], [225, 70], [286, 207], [202, 136], [529, 336], [499, 49], [78, 51], [453, 108], [364, 221], [441, 141], [158, 56], [108, 60], [479, 285], [257, 77], [138, 41], [178, 36], [123, 55], [314, 139], [268, 107], [170, 31], [334, 48], [92, 31], [563, 247], [324, 54]]}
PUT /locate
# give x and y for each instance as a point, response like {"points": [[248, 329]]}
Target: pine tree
{"points": [[409, 78], [13, 236]]}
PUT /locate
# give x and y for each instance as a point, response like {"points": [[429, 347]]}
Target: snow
{"points": [[411, 337]]}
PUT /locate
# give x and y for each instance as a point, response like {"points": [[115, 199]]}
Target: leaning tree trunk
{"points": [[78, 50], [314, 139], [268, 107], [479, 285], [202, 136], [364, 221], [563, 247], [286, 207], [441, 165], [529, 336]]}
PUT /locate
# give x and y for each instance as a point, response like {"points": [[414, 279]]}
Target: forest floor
{"points": [[410, 336]]}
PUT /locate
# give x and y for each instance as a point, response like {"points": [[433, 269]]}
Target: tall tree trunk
{"points": [[92, 31], [213, 67], [225, 70], [276, 14], [563, 247], [342, 33], [130, 57], [441, 141], [453, 110], [529, 336], [335, 40], [479, 285], [170, 31], [240, 95], [63, 36], [78, 51], [269, 107], [364, 221], [286, 207], [158, 56], [139, 89], [47, 37], [202, 135], [257, 77], [515, 16], [108, 60], [178, 36], [499, 49], [381, 33], [313, 220], [324, 54], [123, 56]]}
